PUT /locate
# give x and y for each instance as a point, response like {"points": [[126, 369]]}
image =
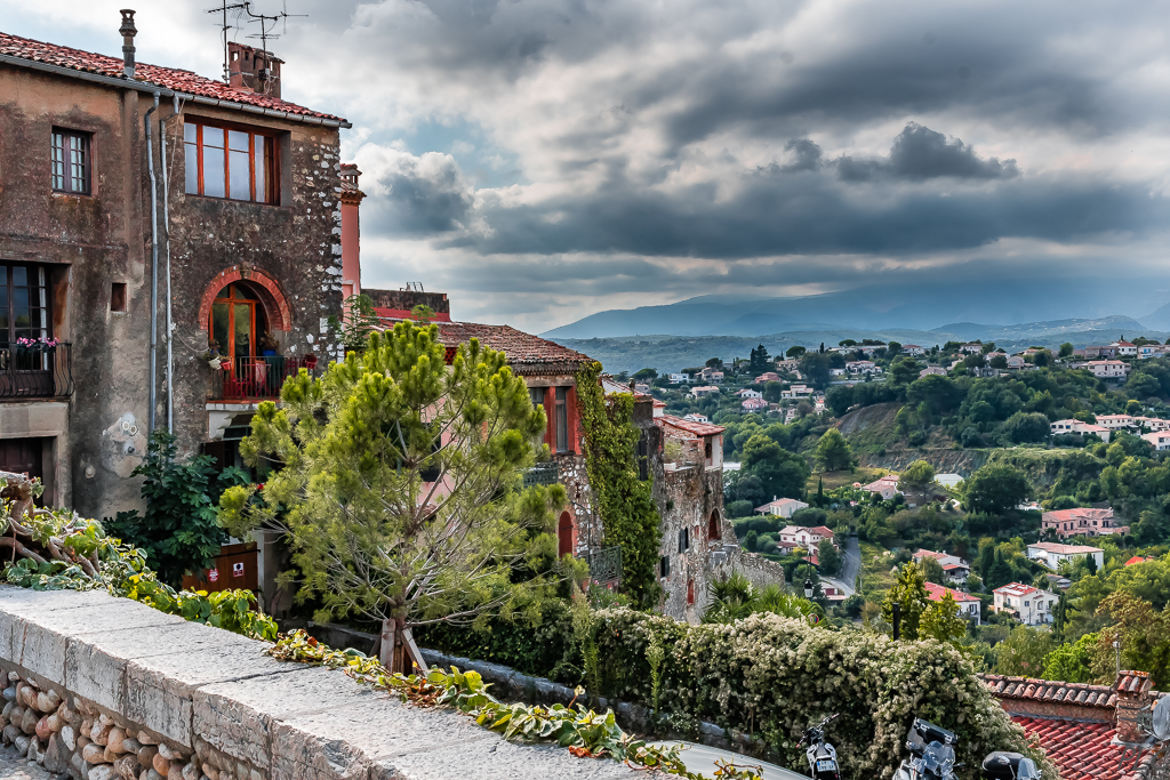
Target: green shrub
{"points": [[770, 677]]}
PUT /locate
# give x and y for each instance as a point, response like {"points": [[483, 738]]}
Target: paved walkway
{"points": [[14, 767]]}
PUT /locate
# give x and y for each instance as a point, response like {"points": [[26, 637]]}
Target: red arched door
{"points": [[565, 534]]}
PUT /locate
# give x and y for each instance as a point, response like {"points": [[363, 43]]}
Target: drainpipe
{"points": [[153, 262], [166, 200]]}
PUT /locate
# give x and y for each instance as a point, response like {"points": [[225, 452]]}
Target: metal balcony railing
{"points": [[546, 473], [36, 370], [605, 565], [258, 378]]}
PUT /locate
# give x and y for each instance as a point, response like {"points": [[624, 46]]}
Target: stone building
{"points": [[144, 211], [550, 371]]}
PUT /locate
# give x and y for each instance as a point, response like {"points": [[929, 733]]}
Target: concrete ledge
{"points": [[217, 706]]}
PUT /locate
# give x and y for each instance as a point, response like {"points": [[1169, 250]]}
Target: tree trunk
{"points": [[397, 650]]}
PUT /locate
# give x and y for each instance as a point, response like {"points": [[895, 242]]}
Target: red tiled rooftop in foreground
{"points": [[690, 426], [174, 79], [1082, 751]]}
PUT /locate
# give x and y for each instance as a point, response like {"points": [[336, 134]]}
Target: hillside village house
{"points": [[1031, 606], [787, 365], [971, 348], [754, 404], [913, 349], [886, 487], [969, 606], [1069, 426], [1052, 554], [1108, 369], [1081, 521], [712, 375], [793, 536], [767, 376], [796, 391], [747, 392], [932, 371], [702, 390], [781, 507], [862, 367], [1159, 440], [678, 379], [696, 417], [955, 569], [150, 216]]}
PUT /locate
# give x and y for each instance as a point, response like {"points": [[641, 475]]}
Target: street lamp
{"points": [[808, 588]]}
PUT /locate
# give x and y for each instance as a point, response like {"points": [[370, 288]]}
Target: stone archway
{"points": [[565, 534], [714, 529], [265, 287]]}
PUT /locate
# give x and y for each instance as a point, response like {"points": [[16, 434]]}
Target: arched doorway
{"points": [[714, 532], [237, 323], [565, 534]]}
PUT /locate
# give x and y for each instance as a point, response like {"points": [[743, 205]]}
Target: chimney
{"points": [[1133, 707], [351, 200], [128, 31], [253, 69]]}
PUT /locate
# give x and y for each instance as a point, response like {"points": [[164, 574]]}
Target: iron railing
{"points": [[257, 378], [36, 370], [605, 565]]}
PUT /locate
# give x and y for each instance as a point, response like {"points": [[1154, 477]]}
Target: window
{"points": [[690, 591], [71, 162], [24, 304], [664, 566], [707, 448], [562, 418], [714, 532], [118, 296], [536, 394], [226, 162], [684, 540]]}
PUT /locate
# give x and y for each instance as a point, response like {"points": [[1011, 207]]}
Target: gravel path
{"points": [[14, 767]]}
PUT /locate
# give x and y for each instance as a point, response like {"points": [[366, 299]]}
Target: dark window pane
{"points": [[219, 325], [562, 419]]}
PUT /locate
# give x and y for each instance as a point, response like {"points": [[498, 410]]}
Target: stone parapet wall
{"points": [[102, 688]]}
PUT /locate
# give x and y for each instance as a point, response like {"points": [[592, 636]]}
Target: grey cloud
{"points": [[919, 153], [423, 196]]}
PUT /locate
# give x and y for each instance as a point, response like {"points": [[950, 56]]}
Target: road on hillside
{"points": [[850, 566]]}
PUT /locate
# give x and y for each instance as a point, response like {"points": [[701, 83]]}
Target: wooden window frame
{"points": [[8, 336], [64, 143], [271, 196], [561, 416]]}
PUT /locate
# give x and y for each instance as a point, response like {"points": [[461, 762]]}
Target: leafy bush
{"points": [[747, 674]]}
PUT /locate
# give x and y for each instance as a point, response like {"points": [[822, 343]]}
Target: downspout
{"points": [[162, 143], [153, 263]]}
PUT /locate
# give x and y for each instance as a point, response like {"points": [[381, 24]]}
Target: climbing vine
{"points": [[628, 514]]}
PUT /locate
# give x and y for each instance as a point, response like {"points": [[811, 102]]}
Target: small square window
{"points": [[72, 166], [118, 296], [684, 540]]}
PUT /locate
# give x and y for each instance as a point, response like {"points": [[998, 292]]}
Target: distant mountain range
{"points": [[921, 306], [686, 333]]}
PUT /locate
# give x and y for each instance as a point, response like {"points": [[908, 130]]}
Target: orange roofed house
{"points": [[1091, 732]]}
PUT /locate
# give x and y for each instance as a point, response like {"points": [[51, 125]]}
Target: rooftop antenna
{"points": [[223, 9], [268, 23]]}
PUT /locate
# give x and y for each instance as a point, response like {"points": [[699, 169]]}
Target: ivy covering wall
{"points": [[625, 503]]}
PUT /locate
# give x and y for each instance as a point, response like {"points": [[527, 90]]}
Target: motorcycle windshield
{"points": [[938, 759]]}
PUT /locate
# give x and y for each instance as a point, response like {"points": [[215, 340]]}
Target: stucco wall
{"points": [[102, 688]]}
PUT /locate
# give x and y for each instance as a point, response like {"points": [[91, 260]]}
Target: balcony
{"points": [[36, 370], [258, 378], [546, 473]]}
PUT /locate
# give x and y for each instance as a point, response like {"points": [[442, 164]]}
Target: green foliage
{"points": [[629, 516], [917, 477], [760, 361], [1072, 661], [1024, 651], [745, 676], [910, 593], [995, 488], [179, 530], [735, 598], [359, 321], [780, 472], [400, 487], [833, 452], [587, 734], [941, 621], [829, 557], [123, 570]]}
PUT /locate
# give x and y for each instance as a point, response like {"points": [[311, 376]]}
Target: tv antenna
{"points": [[267, 24]]}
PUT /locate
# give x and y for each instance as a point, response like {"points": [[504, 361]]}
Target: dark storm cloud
{"points": [[920, 153], [422, 196], [809, 213]]}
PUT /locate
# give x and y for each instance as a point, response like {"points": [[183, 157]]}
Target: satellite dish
{"points": [[1160, 722]]}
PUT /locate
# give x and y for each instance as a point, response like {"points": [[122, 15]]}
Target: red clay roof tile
{"points": [[168, 78]]}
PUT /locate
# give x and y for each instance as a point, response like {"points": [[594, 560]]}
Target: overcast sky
{"points": [[540, 160]]}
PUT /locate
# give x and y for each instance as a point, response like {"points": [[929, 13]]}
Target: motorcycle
{"points": [[932, 757], [821, 755]]}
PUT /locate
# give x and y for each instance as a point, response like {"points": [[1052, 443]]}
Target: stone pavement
{"points": [[14, 767]]}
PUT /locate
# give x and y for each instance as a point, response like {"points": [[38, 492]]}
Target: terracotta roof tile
{"points": [[168, 78], [524, 350], [690, 426], [1085, 751], [1050, 691]]}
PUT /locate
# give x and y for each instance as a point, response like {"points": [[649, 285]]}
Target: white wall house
{"points": [[1051, 554], [781, 507], [969, 606], [1031, 606]]}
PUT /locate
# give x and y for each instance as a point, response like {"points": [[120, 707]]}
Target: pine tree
{"points": [[910, 593], [399, 486]]}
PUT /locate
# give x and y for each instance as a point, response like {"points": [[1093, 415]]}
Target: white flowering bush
{"points": [[771, 677]]}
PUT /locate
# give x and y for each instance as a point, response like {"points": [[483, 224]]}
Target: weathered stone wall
{"points": [[88, 242], [103, 688], [293, 245]]}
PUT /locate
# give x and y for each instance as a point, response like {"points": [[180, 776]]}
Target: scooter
{"points": [[932, 757], [821, 755]]}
